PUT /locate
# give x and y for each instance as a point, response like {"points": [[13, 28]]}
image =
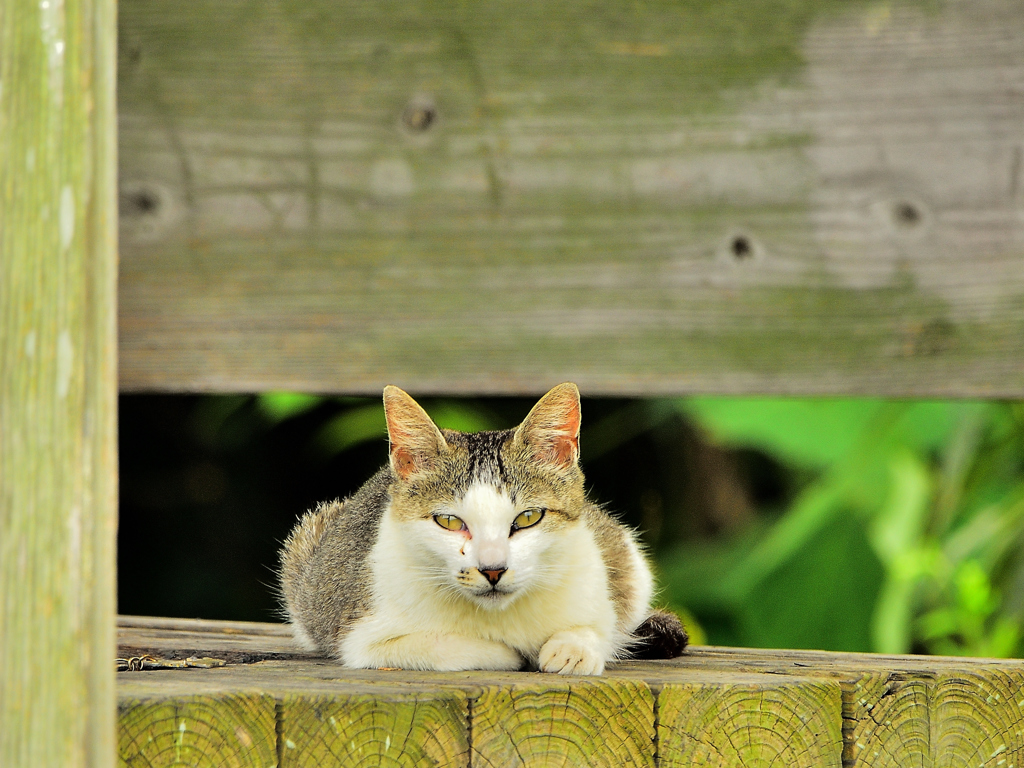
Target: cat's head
{"points": [[484, 513]]}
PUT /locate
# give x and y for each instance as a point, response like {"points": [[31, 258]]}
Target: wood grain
{"points": [[58, 383], [784, 197], [754, 722], [896, 710], [376, 728], [957, 717], [723, 706], [227, 729], [562, 723]]}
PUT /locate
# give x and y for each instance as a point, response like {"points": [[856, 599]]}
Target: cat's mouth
{"points": [[493, 595], [494, 592], [486, 594]]}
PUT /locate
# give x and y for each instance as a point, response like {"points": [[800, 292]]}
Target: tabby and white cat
{"points": [[474, 551]]}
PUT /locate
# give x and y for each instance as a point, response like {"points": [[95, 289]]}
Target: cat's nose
{"points": [[492, 574]]}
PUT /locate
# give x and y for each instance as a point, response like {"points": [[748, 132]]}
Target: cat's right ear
{"points": [[416, 442]]}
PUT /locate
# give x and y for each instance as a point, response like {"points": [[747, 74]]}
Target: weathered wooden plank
{"points": [[814, 197], [758, 721], [236, 729], [316, 716], [730, 706], [965, 716], [234, 641], [58, 382], [896, 710], [559, 722], [375, 728]]}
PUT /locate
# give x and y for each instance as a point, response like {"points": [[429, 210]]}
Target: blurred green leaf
{"points": [[821, 599], [811, 512], [352, 427], [451, 414], [1002, 642], [929, 426], [974, 590], [278, 406], [991, 534], [623, 425], [891, 620], [809, 433], [899, 524], [366, 422], [211, 414]]}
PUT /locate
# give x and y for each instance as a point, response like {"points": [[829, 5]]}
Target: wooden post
{"points": [[58, 396]]}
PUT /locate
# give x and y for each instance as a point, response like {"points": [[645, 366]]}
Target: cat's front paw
{"points": [[572, 652]]}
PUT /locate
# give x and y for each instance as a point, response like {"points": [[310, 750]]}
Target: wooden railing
{"points": [[272, 704]]}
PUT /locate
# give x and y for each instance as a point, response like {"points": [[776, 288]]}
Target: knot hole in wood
{"points": [[420, 114], [907, 214], [741, 247], [140, 201]]}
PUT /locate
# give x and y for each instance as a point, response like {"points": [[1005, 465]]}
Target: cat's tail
{"points": [[660, 636]]}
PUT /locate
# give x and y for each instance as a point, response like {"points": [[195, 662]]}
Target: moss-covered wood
{"points": [[545, 720], [817, 197], [374, 725], [725, 720], [726, 707], [58, 383], [233, 729]]}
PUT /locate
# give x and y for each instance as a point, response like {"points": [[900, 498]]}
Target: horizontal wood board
{"points": [[663, 198], [722, 706]]}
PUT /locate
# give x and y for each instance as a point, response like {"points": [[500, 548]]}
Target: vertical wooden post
{"points": [[58, 397]]}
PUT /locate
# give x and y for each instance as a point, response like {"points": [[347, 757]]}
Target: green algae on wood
{"points": [[561, 722], [58, 383], [375, 728], [236, 729], [790, 722]]}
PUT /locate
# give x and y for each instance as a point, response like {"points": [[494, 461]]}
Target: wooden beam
{"points": [[235, 729], [732, 720], [731, 707], [538, 719], [58, 382], [713, 196], [897, 710]]}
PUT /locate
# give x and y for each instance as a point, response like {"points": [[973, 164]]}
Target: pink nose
{"points": [[493, 574]]}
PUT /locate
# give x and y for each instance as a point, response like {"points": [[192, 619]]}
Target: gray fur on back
{"points": [[324, 571]]}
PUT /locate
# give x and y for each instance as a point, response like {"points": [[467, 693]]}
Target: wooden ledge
{"points": [[272, 704]]}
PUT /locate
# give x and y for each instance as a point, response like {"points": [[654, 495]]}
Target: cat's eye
{"points": [[450, 522], [527, 518]]}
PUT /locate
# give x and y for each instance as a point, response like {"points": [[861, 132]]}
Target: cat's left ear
{"points": [[416, 442], [552, 428]]}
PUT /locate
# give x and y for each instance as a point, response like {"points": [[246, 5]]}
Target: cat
{"points": [[474, 551]]}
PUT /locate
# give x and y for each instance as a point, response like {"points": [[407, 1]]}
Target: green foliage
{"points": [[278, 406], [360, 420], [904, 536]]}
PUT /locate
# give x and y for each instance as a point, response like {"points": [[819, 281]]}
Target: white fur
{"points": [[432, 609], [643, 585], [301, 635]]}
